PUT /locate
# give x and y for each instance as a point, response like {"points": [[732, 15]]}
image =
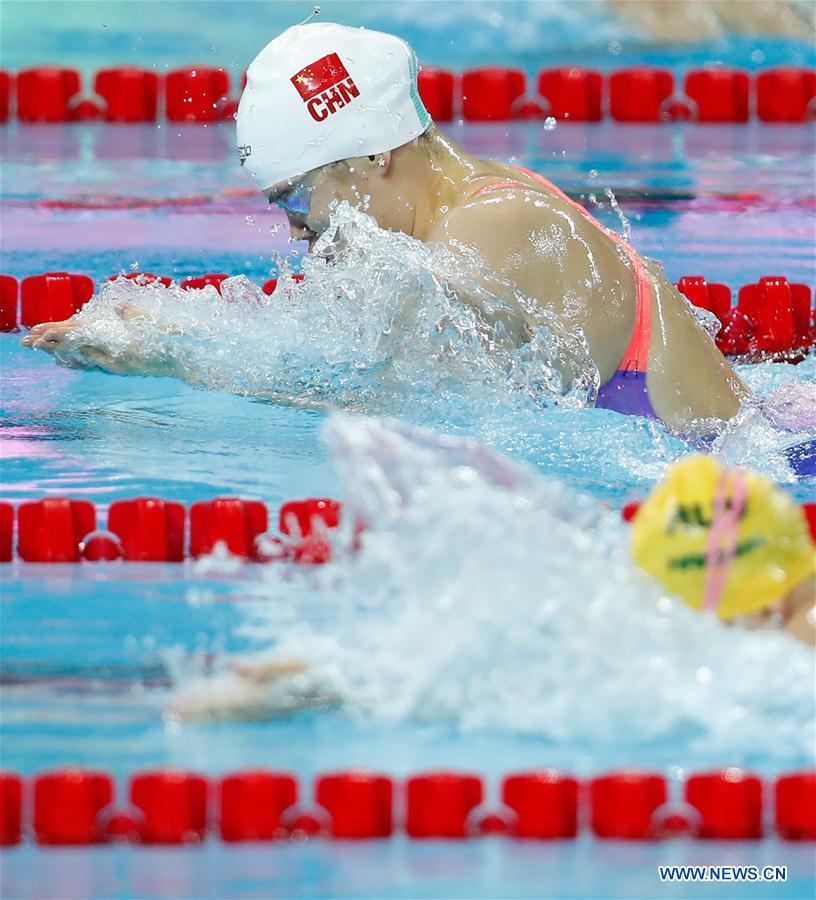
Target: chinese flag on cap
{"points": [[319, 75]]}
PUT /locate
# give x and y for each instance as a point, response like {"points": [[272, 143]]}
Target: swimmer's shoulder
{"points": [[500, 218]]}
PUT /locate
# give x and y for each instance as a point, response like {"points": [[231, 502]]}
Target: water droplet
{"points": [[250, 220], [593, 174], [550, 123]]}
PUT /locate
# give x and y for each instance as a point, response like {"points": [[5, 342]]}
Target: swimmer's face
{"points": [[363, 183]]}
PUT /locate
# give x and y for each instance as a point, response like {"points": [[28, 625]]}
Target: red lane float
{"points": [[99, 546], [360, 804], [639, 94], [303, 517], [53, 297], [545, 804], [436, 88], [150, 529], [85, 111], [44, 94], [734, 338], [252, 805], [308, 522], [196, 94], [130, 94], [6, 531], [573, 94], [718, 95], [75, 806], [67, 806], [9, 296], [51, 530], [199, 282], [173, 806], [716, 298], [624, 804], [779, 312], [629, 511], [729, 804], [11, 803], [491, 94], [795, 805], [809, 509], [439, 804], [229, 521], [786, 94], [6, 89]]}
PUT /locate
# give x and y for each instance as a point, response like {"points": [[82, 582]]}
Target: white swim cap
{"points": [[322, 92]]}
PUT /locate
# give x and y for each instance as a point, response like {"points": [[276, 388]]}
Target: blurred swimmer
{"points": [[730, 542], [332, 114], [687, 21], [725, 541]]}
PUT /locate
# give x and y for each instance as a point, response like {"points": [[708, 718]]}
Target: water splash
{"points": [[489, 597], [376, 322]]}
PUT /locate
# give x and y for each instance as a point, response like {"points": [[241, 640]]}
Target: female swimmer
{"points": [[357, 131]]}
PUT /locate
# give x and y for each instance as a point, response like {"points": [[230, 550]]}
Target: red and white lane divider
{"points": [[772, 319], [171, 806], [149, 529], [54, 296], [498, 94]]}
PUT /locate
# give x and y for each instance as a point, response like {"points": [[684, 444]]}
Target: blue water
{"points": [[92, 654]]}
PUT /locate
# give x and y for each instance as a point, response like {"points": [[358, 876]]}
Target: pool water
{"points": [[93, 656], [474, 632]]}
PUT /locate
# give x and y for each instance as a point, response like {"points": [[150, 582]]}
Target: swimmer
{"points": [[690, 21], [729, 542], [332, 114]]}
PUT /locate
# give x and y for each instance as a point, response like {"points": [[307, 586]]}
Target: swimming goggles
{"points": [[296, 199]]}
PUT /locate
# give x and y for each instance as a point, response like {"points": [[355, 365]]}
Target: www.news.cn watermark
{"points": [[723, 873]]}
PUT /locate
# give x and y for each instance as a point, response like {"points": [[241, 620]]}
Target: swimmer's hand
{"points": [[63, 341], [249, 689]]}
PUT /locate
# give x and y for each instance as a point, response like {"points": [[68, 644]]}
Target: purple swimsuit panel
{"points": [[626, 393]]}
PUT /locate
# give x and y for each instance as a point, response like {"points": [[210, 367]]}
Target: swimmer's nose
{"points": [[300, 232]]}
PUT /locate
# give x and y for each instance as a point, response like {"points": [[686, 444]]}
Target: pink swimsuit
{"points": [[626, 391]]}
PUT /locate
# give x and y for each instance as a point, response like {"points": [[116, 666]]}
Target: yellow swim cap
{"points": [[724, 539]]}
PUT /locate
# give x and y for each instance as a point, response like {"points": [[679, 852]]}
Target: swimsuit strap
{"points": [[637, 351]]}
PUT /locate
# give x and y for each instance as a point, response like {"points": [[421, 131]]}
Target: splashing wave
{"points": [[376, 318], [490, 597]]}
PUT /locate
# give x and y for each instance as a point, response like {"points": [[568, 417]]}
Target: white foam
{"points": [[380, 321], [490, 597]]}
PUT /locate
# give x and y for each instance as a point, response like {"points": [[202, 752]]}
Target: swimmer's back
{"points": [[588, 277]]}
